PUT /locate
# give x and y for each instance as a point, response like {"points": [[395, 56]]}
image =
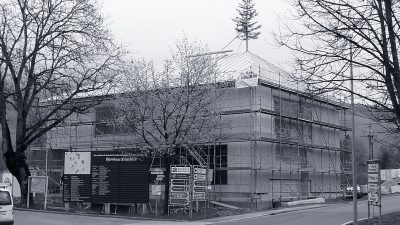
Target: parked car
{"points": [[348, 192], [6, 207]]}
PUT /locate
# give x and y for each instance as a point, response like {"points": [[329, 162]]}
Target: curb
{"points": [[351, 222], [100, 215], [260, 214]]}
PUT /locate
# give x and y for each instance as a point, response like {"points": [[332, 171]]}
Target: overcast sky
{"points": [[151, 27]]}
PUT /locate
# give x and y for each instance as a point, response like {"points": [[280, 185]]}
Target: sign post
{"points": [[180, 182], [199, 184], [38, 184], [374, 188]]}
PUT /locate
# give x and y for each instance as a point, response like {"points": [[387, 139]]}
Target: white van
{"points": [[6, 207]]}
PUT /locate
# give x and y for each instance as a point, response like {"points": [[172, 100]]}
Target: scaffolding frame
{"points": [[294, 176]]}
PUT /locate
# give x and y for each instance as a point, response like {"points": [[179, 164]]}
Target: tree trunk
{"points": [[17, 164]]}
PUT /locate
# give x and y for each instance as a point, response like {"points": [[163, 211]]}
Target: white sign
{"points": [[373, 178], [200, 170], [373, 187], [156, 189], [180, 169], [199, 177], [77, 163], [373, 168]]}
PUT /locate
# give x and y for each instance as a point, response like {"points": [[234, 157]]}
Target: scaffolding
{"points": [[279, 144], [293, 142]]}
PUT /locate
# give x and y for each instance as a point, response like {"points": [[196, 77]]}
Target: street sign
{"points": [[374, 187], [157, 172], [373, 168], [180, 182], [178, 201], [199, 196], [200, 170], [181, 169], [199, 189], [199, 177], [179, 188], [200, 183], [184, 195], [373, 178], [180, 176]]}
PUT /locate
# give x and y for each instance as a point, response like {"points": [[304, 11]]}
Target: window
{"points": [[5, 198], [104, 122], [104, 115], [286, 107], [305, 131], [287, 153], [305, 111], [218, 160], [303, 157]]}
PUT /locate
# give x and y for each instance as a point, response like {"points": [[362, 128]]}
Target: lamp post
{"points": [[355, 220]]}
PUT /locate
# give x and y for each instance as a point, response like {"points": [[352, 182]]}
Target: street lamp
{"points": [[355, 220]]}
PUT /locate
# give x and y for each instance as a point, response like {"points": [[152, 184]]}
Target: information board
{"points": [[119, 177], [106, 177]]}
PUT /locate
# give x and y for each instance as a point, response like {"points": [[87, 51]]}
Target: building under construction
{"points": [[280, 144]]}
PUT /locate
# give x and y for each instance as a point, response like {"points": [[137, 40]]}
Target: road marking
{"points": [[350, 222]]}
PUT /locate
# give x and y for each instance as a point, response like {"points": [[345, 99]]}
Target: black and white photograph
{"points": [[200, 112]]}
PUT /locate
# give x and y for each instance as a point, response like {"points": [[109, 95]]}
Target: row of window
{"points": [[295, 109], [291, 153], [288, 128]]}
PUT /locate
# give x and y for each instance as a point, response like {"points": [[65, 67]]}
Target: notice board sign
{"points": [[106, 177], [38, 184], [119, 177]]}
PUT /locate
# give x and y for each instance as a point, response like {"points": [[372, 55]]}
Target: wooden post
{"points": [[66, 206], [107, 208], [29, 191]]}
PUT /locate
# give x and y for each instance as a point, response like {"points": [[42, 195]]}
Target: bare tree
{"points": [[52, 52], [172, 107], [331, 34]]}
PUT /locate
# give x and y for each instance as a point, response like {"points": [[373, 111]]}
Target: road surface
{"points": [[335, 214]]}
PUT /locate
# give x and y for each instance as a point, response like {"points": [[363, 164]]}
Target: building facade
{"points": [[279, 144]]}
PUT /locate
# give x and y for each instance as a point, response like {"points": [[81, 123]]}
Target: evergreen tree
{"points": [[246, 28]]}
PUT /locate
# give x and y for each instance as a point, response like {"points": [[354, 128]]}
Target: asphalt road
{"points": [[331, 215], [336, 214]]}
